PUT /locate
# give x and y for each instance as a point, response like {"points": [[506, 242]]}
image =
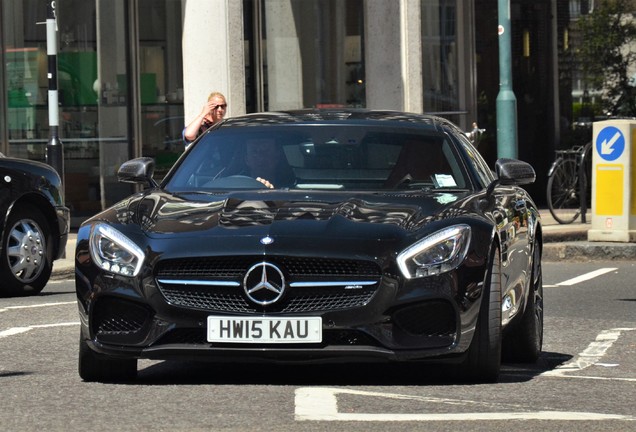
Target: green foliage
{"points": [[607, 54], [588, 110]]}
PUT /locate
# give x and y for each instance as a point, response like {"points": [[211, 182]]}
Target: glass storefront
{"points": [[440, 56], [304, 53], [161, 81], [119, 87], [120, 76]]}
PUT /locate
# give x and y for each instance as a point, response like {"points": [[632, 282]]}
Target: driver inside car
{"points": [[266, 162]]}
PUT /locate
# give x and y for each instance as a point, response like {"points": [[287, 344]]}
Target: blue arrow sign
{"points": [[610, 143]]}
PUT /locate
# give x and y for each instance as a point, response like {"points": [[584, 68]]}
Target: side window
{"points": [[481, 168]]}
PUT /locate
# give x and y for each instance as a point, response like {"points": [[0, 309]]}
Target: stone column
{"points": [[411, 50], [213, 54], [383, 65], [284, 65]]}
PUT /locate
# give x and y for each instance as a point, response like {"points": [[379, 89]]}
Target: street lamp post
{"points": [[506, 101], [54, 147]]}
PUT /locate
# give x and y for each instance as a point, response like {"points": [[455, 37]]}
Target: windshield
{"points": [[320, 157]]}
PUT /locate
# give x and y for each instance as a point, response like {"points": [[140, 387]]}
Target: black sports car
{"points": [[316, 236], [34, 225]]}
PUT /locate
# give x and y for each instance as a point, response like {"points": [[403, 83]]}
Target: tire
{"points": [[483, 360], [524, 341], [26, 260], [564, 200], [94, 367]]}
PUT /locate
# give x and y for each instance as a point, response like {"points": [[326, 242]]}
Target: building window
{"points": [[93, 93], [304, 53], [440, 56], [161, 81]]}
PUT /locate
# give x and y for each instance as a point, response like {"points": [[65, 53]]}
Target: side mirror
{"points": [[514, 172], [138, 171]]}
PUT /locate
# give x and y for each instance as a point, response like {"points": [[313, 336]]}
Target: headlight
{"points": [[114, 252], [438, 253]]}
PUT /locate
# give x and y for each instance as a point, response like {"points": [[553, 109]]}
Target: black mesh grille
{"points": [[232, 300], [193, 268], [116, 319], [211, 298], [300, 267], [235, 267], [307, 298]]}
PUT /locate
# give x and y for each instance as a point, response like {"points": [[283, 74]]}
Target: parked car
{"points": [[34, 225], [378, 236]]}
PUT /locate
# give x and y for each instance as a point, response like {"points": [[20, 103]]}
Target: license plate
{"points": [[264, 329]]}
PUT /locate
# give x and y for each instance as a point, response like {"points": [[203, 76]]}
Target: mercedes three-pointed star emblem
{"points": [[264, 283]]}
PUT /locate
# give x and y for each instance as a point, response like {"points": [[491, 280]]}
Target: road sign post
{"points": [[506, 100], [54, 147], [614, 181]]}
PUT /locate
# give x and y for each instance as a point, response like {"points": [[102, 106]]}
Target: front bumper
{"points": [[432, 318]]}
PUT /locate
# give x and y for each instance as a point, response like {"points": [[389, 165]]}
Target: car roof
{"points": [[337, 115]]}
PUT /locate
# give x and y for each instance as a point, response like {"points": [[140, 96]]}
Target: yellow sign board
{"points": [[609, 189]]}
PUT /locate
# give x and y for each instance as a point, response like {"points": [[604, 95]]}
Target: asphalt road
{"points": [[584, 381]]}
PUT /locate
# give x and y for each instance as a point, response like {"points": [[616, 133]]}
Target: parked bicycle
{"points": [[569, 190]]}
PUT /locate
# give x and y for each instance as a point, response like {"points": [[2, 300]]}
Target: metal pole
{"points": [[4, 102], [54, 147], [506, 101]]}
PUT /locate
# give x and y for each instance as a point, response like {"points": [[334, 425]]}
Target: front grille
{"points": [[203, 268], [206, 284], [235, 267], [302, 267], [224, 299]]}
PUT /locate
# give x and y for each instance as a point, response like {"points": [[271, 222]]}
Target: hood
{"points": [[161, 213], [365, 221]]}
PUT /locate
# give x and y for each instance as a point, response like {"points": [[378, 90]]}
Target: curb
{"points": [[589, 251], [66, 272]]}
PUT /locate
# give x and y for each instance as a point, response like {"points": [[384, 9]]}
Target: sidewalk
{"points": [[561, 242], [569, 242]]}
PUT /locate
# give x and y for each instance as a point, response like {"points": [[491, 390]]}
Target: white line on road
{"points": [[321, 404], [586, 276], [597, 378], [594, 352], [18, 330], [8, 308]]}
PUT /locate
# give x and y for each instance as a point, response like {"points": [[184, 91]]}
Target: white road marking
{"points": [[18, 330], [321, 404], [594, 352], [598, 378], [586, 276], [8, 308]]}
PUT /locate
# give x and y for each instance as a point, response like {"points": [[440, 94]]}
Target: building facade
{"points": [[132, 73]]}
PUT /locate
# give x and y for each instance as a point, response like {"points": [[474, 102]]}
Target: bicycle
{"points": [[569, 189]]}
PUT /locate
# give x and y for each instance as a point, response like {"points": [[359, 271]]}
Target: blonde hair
{"points": [[215, 94]]}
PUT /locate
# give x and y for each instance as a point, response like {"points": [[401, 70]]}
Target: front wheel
{"points": [[564, 200], [523, 342], [26, 260], [483, 361]]}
